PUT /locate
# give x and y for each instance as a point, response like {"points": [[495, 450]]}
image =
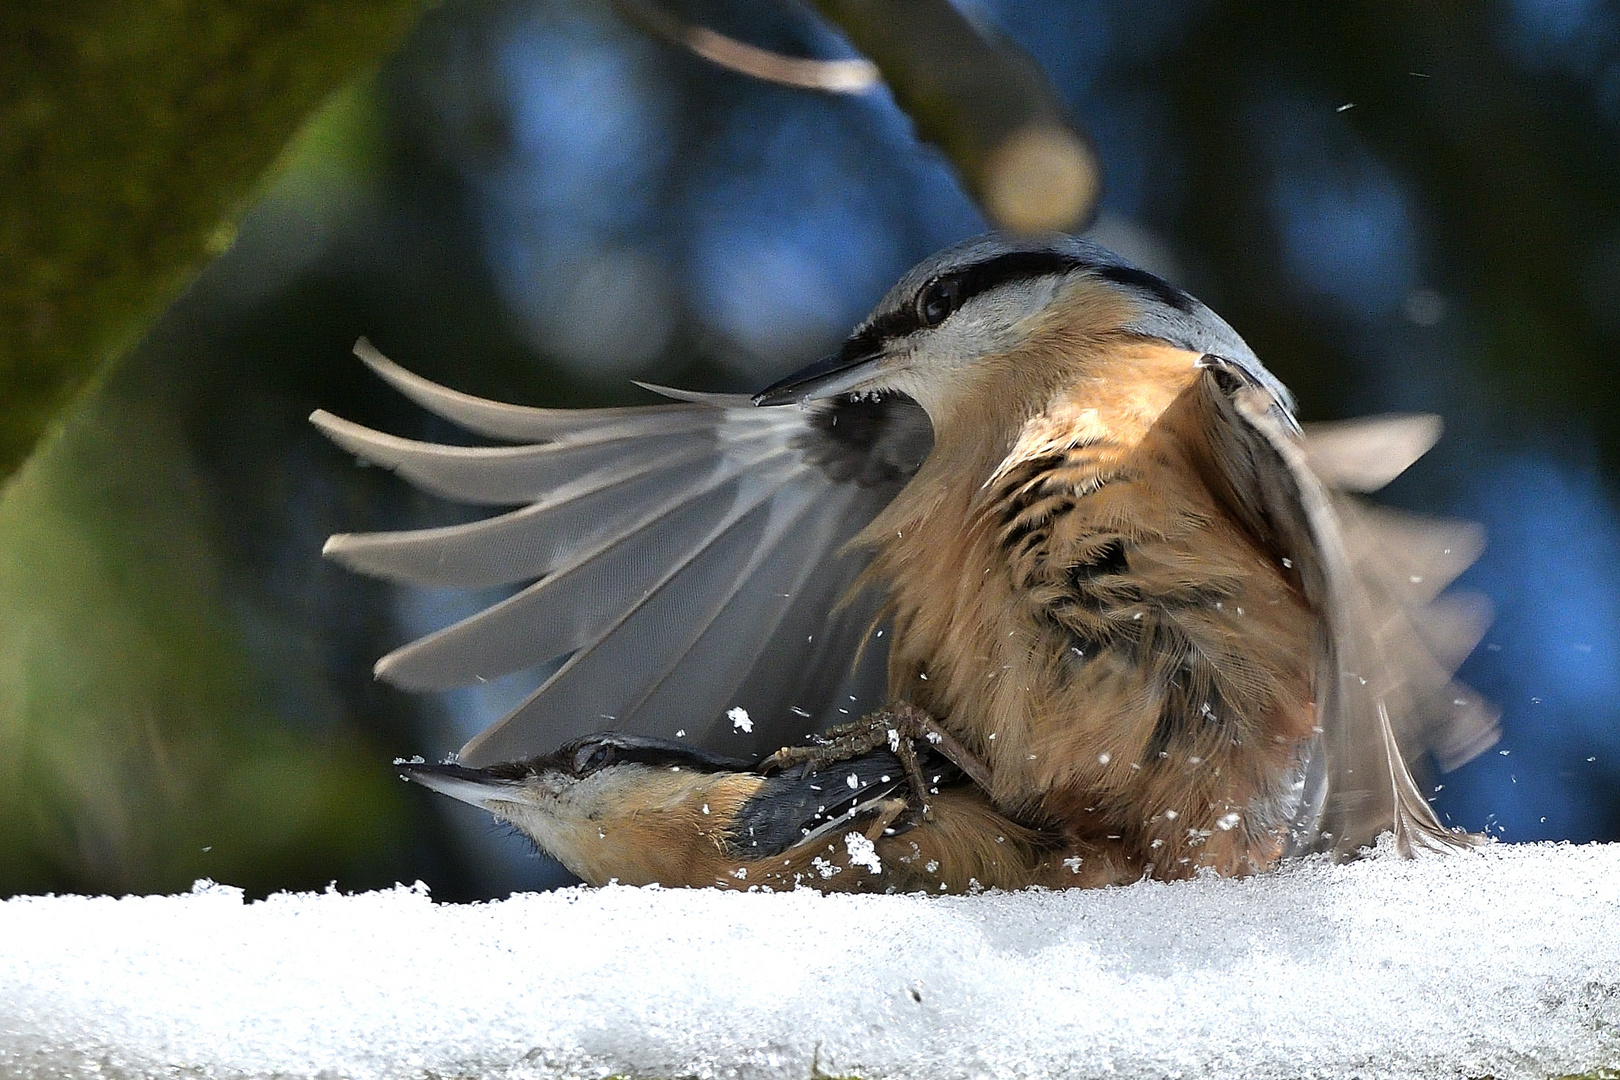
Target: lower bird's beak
{"points": [[473, 786], [828, 377]]}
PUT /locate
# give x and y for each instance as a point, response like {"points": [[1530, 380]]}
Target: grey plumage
{"points": [[687, 558]]}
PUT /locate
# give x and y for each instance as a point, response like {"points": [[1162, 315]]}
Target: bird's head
{"points": [[992, 306], [600, 803]]}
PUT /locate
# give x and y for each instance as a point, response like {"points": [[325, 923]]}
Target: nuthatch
{"points": [[1040, 494], [639, 811]]}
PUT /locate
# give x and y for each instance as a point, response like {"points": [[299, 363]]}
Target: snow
{"points": [[1503, 963], [862, 852]]}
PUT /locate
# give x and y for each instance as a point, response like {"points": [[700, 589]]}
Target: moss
{"points": [[131, 138]]}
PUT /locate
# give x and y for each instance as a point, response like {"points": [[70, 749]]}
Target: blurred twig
{"points": [[131, 136], [831, 76], [981, 100], [985, 103]]}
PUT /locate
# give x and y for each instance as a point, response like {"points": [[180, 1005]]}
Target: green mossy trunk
{"points": [[131, 138]]}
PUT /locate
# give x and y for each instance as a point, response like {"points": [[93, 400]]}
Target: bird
{"points": [[1042, 500], [617, 808]]}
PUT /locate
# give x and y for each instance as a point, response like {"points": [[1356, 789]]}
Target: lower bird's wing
{"points": [[687, 559], [1391, 642], [800, 806]]}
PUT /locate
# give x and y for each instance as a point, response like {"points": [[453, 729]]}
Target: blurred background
{"points": [[1400, 206]]}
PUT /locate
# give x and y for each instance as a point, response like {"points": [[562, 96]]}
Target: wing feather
{"points": [[684, 558], [521, 423], [1368, 452], [1386, 656], [643, 643], [507, 475], [541, 537], [801, 652], [710, 669], [592, 594]]}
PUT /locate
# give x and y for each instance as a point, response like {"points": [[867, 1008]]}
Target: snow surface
{"points": [[1504, 963]]}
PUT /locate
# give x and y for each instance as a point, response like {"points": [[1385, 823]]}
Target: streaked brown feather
{"points": [[1130, 597]]}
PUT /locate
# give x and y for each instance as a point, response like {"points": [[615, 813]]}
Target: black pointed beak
{"points": [[827, 377], [474, 786]]}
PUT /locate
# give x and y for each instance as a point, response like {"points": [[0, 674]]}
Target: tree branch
{"points": [[829, 76], [985, 103]]}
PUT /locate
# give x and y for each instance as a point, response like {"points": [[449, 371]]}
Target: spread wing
{"points": [[687, 559], [1390, 641]]}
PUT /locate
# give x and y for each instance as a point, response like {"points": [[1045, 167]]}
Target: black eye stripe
{"points": [[970, 282], [982, 277], [624, 748], [1161, 289]]}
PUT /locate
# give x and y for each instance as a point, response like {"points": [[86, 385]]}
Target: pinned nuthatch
{"points": [[1041, 495], [639, 811]]}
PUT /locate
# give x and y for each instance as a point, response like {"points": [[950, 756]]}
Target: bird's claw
{"points": [[896, 727]]}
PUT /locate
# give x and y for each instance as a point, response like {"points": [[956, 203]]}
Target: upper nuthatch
{"points": [[1043, 495], [639, 811]]}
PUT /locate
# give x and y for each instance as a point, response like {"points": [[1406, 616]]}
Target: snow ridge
{"points": [[1503, 963]]}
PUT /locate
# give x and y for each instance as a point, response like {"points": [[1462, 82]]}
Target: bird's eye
{"points": [[937, 300], [590, 758]]}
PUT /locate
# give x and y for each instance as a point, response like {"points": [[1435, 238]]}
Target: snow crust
{"points": [[1504, 963]]}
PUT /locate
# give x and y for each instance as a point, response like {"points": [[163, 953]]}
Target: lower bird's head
{"points": [[599, 804], [996, 305]]}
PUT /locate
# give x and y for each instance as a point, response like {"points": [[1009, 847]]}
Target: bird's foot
{"points": [[896, 726]]}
